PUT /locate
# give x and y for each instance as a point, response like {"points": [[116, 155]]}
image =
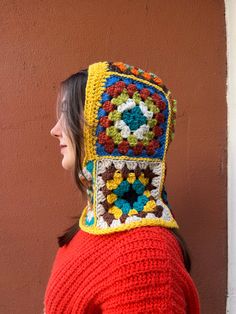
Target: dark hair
{"points": [[73, 88]]}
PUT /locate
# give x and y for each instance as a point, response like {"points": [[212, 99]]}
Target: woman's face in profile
{"points": [[66, 145]]}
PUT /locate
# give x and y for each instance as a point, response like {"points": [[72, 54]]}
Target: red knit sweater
{"points": [[130, 272]]}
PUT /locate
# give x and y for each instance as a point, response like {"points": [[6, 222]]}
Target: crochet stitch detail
{"points": [[130, 122]]}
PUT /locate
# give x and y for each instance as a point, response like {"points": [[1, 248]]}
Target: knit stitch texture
{"points": [[130, 272]]}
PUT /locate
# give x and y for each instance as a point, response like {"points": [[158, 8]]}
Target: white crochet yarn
{"points": [[148, 114], [128, 105]]}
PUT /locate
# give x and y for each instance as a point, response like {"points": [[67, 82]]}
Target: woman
{"points": [[114, 127]]}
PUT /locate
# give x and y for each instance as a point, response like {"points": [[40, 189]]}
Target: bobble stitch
{"points": [[145, 141], [101, 113], [152, 123], [125, 132], [138, 187], [118, 176], [114, 115], [144, 93], [160, 117], [111, 185], [123, 147], [150, 149], [141, 202], [123, 205], [161, 105], [109, 146], [117, 138], [122, 188], [143, 180], [108, 106], [132, 212], [131, 177], [129, 104], [117, 212], [131, 89], [157, 131], [111, 198], [150, 135], [147, 193], [132, 140], [138, 148], [156, 98], [111, 131], [150, 206], [105, 122], [105, 97], [136, 97]]}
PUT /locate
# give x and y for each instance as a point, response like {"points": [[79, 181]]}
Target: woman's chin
{"points": [[67, 164]]}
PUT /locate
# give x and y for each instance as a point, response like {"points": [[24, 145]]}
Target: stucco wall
{"points": [[42, 42]]}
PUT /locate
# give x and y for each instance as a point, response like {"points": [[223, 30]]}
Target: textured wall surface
{"points": [[43, 42]]}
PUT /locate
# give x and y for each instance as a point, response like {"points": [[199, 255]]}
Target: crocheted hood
{"points": [[130, 117]]}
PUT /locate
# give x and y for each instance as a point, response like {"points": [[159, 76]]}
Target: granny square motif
{"points": [[133, 119]]}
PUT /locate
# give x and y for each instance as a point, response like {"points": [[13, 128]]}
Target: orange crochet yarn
{"points": [[130, 272]]}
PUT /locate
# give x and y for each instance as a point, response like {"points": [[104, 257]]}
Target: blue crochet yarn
{"points": [[138, 187], [123, 205], [89, 166], [152, 90], [99, 129], [101, 113], [139, 85], [143, 199], [134, 118], [112, 80], [105, 97], [122, 188], [127, 81], [140, 203], [89, 222], [126, 208]]}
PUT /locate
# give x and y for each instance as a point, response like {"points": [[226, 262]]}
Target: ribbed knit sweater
{"points": [[136, 271]]}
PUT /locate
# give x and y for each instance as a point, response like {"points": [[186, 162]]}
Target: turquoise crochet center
{"points": [[134, 118]]}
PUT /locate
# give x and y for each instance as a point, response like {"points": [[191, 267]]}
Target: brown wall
{"points": [[42, 42]]}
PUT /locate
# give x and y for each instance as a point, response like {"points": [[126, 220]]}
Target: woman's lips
{"points": [[62, 146]]}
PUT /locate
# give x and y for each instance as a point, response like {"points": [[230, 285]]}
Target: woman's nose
{"points": [[56, 130]]}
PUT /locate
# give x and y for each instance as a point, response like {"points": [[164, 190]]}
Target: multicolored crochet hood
{"points": [[130, 119]]}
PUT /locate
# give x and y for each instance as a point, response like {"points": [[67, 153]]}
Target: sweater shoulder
{"points": [[139, 243], [150, 241]]}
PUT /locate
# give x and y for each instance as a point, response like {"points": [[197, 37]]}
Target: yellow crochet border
{"points": [[144, 222]]}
